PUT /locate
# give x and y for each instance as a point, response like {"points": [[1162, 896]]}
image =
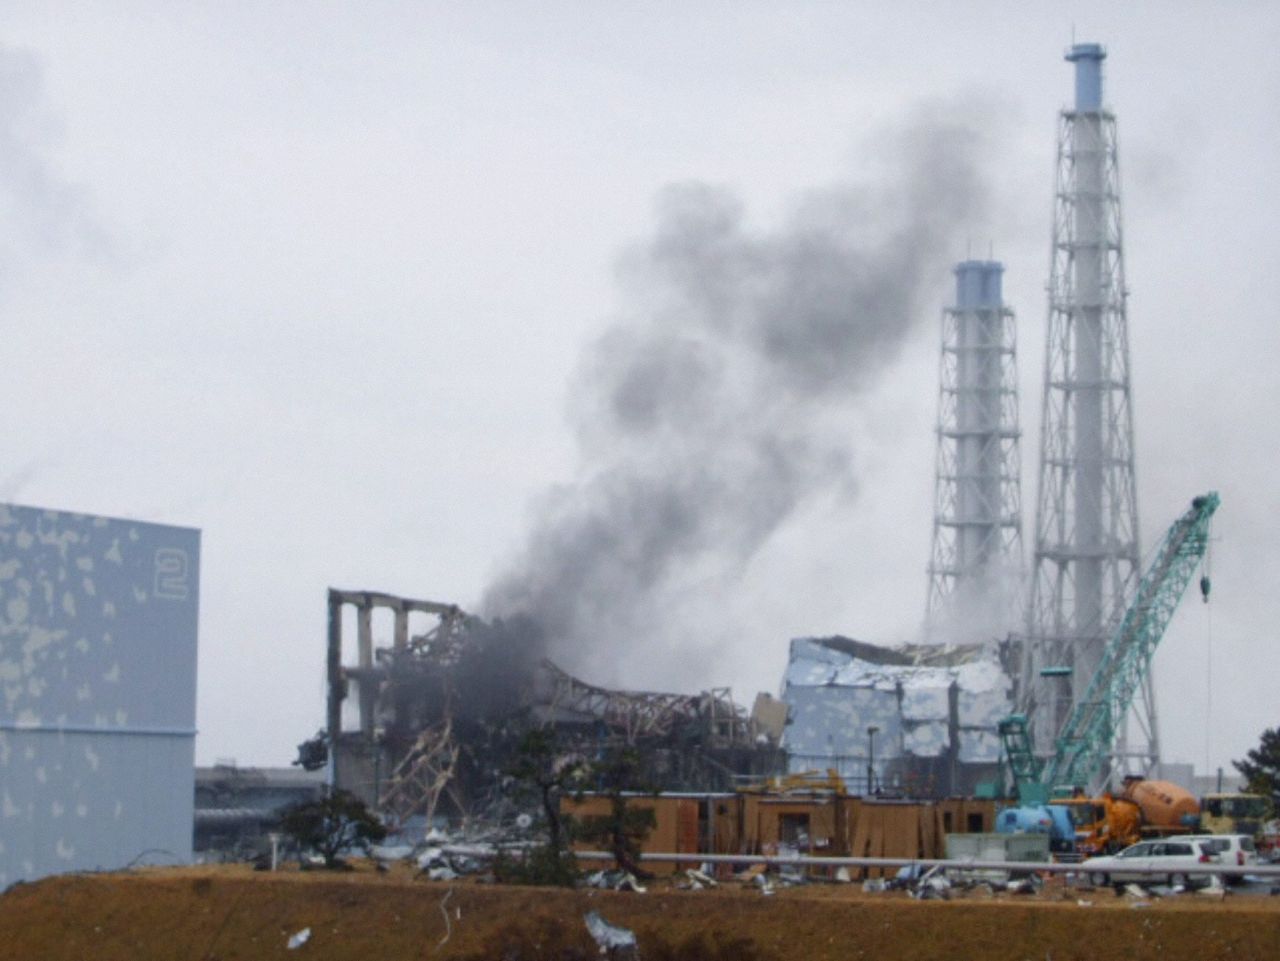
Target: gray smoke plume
{"points": [[717, 404], [41, 213]]}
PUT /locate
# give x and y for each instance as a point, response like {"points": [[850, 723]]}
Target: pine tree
{"points": [[1261, 766], [332, 824]]}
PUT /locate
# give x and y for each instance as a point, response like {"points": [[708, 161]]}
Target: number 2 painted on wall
{"points": [[172, 568]]}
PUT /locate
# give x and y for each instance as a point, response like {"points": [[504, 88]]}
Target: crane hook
{"points": [[1204, 588]]}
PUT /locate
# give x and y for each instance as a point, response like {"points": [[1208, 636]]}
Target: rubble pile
{"points": [[430, 723]]}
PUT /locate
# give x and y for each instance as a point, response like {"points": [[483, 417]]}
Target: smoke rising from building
{"points": [[716, 404], [40, 211]]}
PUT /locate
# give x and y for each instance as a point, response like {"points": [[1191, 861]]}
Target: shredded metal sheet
{"points": [[834, 696]]}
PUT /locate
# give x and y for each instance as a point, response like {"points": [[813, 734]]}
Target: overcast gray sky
{"points": [[316, 279]]}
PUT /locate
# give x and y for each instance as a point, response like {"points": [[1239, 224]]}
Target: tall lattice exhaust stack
{"points": [[1086, 539], [976, 563]]}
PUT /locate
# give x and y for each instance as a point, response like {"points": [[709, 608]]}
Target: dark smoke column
{"points": [[719, 402]]}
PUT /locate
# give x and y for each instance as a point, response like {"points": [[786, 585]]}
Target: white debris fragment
{"points": [[391, 852], [932, 887], [298, 939], [610, 937], [1028, 885], [1214, 889], [700, 879], [430, 858], [629, 883]]}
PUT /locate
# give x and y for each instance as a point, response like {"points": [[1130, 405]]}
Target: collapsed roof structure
{"points": [[918, 720], [430, 722]]}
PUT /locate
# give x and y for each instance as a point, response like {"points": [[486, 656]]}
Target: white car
{"points": [[1237, 849], [1162, 861]]}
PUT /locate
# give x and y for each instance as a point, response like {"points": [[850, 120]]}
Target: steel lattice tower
{"points": [[1086, 538], [976, 562]]}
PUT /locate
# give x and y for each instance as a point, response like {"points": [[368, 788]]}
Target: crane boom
{"points": [[1089, 734]]}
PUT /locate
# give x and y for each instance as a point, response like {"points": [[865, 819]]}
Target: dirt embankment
{"points": [[231, 913]]}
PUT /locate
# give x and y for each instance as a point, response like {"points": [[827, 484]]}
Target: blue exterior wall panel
{"points": [[98, 623]]}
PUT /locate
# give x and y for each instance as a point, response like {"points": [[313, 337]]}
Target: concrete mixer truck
{"points": [[1141, 809]]}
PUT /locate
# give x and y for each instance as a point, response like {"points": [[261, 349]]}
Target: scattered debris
{"points": [[1028, 884], [431, 857], [1214, 889], [629, 883], [872, 885], [932, 887], [792, 875], [765, 885], [910, 872], [439, 862], [390, 852], [298, 939], [1136, 891], [700, 878], [1083, 903], [614, 881], [611, 938], [843, 876]]}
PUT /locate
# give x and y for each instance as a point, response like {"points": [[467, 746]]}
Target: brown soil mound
{"points": [[230, 913]]}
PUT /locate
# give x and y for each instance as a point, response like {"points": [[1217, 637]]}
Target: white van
{"points": [[1237, 849]]}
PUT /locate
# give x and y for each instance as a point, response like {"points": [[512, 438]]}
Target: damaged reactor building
{"points": [[922, 719], [918, 721], [428, 722], [428, 713]]}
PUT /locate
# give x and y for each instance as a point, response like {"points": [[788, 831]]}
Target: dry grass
{"points": [[227, 913]]}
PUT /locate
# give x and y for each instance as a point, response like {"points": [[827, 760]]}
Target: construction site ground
{"points": [[230, 912]]}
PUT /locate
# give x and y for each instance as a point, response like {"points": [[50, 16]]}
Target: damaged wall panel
{"points": [[923, 717]]}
